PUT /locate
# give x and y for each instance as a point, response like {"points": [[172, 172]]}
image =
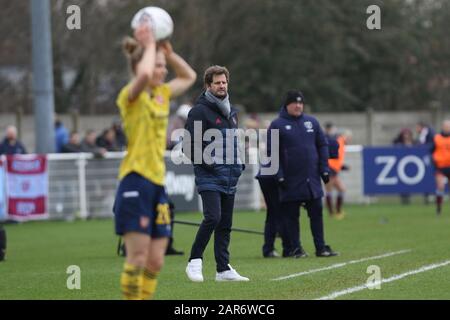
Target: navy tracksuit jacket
{"points": [[8, 149], [304, 155], [220, 177], [216, 182]]}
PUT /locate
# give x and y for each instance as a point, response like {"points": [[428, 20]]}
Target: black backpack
{"points": [[2, 243]]}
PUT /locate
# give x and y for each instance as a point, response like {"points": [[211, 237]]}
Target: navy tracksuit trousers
{"points": [[291, 219], [273, 223], [218, 218]]}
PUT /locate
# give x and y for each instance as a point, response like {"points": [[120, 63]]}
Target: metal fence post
{"points": [[81, 163], [369, 126]]}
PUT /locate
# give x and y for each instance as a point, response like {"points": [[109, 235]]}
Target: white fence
{"points": [[81, 186]]}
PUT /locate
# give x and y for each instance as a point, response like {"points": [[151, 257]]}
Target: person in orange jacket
{"points": [[441, 158], [336, 166]]}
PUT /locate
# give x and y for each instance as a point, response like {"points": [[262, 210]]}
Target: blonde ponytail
{"points": [[133, 51]]}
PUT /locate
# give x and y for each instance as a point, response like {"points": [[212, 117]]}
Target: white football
{"points": [[159, 20]]}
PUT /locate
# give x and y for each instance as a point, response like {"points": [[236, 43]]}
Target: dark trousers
{"points": [[218, 218], [172, 223], [291, 220], [2, 243], [273, 223]]}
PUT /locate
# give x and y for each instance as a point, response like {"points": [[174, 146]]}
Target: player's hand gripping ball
{"points": [[158, 19]]}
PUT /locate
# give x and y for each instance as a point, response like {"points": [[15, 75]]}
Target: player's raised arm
{"points": [[185, 75], [142, 53]]}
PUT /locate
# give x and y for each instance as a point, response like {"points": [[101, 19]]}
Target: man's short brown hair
{"points": [[215, 71]]}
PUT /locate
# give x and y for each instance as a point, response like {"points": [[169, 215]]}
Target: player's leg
{"points": [[211, 218], [154, 264], [290, 219], [440, 190], [329, 187], [161, 232], [329, 197], [131, 280], [339, 185], [222, 232], [315, 213], [133, 224]]}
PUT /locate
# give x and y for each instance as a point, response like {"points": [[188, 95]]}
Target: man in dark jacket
{"points": [[11, 144], [303, 164], [425, 134], [74, 144], [212, 125]]}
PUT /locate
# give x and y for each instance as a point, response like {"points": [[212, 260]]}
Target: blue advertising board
{"points": [[398, 170]]}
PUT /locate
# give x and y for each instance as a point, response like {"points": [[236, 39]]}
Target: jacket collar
{"points": [[202, 100]]}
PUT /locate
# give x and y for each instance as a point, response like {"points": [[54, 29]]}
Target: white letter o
{"points": [[402, 174]]}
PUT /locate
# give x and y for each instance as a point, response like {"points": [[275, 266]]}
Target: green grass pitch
{"points": [[40, 252]]}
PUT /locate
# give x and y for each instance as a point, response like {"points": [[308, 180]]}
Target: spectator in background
{"points": [[11, 144], [107, 140], [74, 144], [61, 135], [121, 139], [88, 145], [441, 158], [331, 136], [425, 133], [336, 166], [178, 121], [405, 139]]}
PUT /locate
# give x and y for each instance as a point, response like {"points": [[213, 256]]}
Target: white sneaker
{"points": [[194, 270], [230, 275]]}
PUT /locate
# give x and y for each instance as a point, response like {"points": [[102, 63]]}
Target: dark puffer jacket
{"points": [[223, 174], [303, 156]]}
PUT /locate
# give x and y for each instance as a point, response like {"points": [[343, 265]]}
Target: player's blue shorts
{"points": [[141, 206]]}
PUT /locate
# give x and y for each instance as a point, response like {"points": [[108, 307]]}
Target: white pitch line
{"points": [[343, 264], [336, 294]]}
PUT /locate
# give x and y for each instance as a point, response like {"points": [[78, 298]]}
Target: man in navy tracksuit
{"points": [[216, 176], [303, 164]]}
